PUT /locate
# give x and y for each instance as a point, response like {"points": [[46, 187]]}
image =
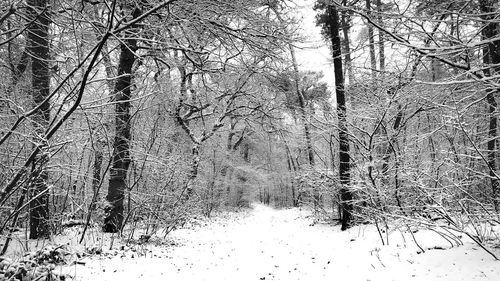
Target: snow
{"points": [[269, 244]]}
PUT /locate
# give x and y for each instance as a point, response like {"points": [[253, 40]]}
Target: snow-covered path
{"points": [[269, 244]]}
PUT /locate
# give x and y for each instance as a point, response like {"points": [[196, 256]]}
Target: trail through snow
{"points": [[270, 244]]}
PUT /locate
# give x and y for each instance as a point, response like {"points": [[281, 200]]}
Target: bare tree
{"points": [[491, 57], [38, 49], [121, 146], [330, 23]]}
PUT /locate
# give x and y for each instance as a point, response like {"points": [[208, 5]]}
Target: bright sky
{"points": [[315, 53]]}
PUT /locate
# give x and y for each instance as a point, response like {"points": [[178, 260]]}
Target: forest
{"points": [[138, 116]]}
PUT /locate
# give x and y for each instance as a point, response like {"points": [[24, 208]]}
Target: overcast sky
{"points": [[315, 53]]}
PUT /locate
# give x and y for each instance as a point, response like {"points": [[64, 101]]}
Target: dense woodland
{"points": [[125, 113]]}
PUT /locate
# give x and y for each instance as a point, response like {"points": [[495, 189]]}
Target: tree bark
{"points": [[492, 136], [97, 167], [371, 41], [292, 169], [344, 159], [232, 133], [347, 46], [121, 145], [491, 55], [38, 49], [381, 48], [305, 120], [193, 172], [302, 107]]}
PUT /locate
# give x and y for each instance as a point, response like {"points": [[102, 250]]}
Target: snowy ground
{"points": [[269, 244]]}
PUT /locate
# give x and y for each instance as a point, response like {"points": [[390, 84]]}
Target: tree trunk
{"points": [[371, 41], [246, 152], [381, 48], [97, 166], [491, 55], [292, 169], [302, 108], [193, 173], [121, 145], [344, 159], [38, 49], [232, 132], [347, 46], [305, 120], [492, 136]]}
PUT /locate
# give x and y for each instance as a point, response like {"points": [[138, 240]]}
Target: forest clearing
{"points": [[259, 139]]}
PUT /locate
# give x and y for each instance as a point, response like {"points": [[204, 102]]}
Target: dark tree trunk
{"points": [[193, 172], [246, 152], [492, 136], [121, 146], [344, 159], [491, 56], [38, 49], [97, 167]]}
